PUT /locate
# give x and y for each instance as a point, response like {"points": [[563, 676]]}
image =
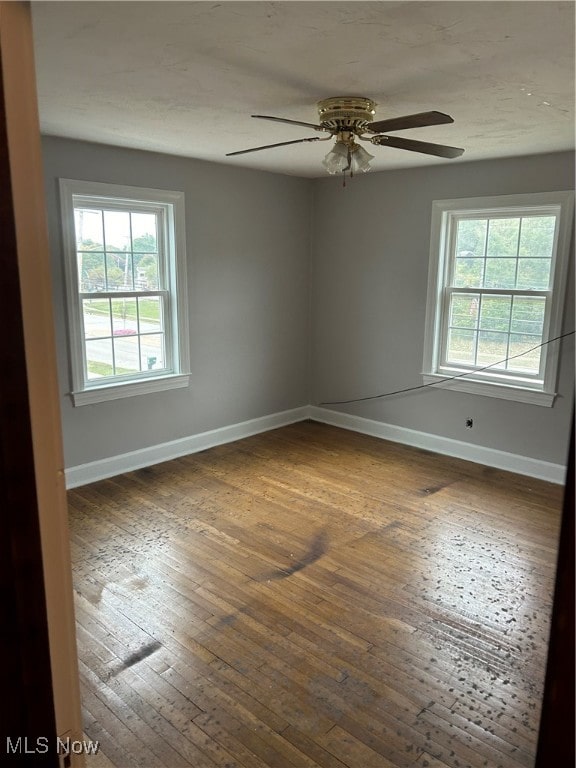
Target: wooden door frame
{"points": [[26, 667], [42, 696], [556, 734]]}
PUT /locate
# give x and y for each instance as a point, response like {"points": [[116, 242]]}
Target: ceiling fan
{"points": [[348, 118]]}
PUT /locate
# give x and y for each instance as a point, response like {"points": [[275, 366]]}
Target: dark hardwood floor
{"points": [[314, 597]]}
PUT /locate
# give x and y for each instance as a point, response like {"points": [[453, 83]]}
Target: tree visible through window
{"points": [[497, 284], [123, 274]]}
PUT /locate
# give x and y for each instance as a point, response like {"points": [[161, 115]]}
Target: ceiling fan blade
{"points": [[419, 120], [440, 150], [292, 122], [270, 146]]}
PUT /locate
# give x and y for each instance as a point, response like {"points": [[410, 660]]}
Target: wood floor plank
{"points": [[126, 730], [313, 597], [427, 761], [351, 751]]}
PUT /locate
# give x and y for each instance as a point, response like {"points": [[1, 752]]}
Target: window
{"points": [[126, 281], [495, 295]]}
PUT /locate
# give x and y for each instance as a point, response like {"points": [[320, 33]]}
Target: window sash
{"points": [[121, 294], [104, 205], [164, 330], [445, 364], [453, 218]]}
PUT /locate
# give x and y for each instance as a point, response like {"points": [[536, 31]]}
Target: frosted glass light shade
{"points": [[337, 159], [360, 160]]}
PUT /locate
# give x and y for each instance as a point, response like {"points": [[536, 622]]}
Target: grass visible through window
{"points": [[96, 368], [149, 309]]}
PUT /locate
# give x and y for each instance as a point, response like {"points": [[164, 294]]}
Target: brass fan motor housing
{"points": [[346, 113]]}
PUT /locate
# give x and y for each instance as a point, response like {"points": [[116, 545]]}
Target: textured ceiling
{"points": [[184, 77]]}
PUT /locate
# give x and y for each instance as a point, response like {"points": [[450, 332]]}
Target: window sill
{"points": [[100, 394], [489, 389]]}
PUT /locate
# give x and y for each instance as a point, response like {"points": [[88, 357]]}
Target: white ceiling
{"points": [[184, 77]]}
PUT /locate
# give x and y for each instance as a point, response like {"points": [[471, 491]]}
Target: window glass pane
{"points": [[492, 348], [116, 272], [144, 232], [461, 346], [128, 272], [500, 273], [503, 238], [99, 360], [495, 313], [471, 238], [534, 274], [91, 272], [530, 362], [152, 352], [150, 310], [146, 271], [117, 230], [468, 273], [127, 354], [96, 314], [528, 315], [124, 317], [537, 236], [464, 310], [89, 233]]}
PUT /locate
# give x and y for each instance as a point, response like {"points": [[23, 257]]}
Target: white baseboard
{"points": [[146, 457], [491, 457]]}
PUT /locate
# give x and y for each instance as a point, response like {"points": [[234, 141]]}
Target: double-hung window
{"points": [[497, 281], [126, 289]]}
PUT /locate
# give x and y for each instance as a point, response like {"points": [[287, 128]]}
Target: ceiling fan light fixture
{"points": [[336, 160], [360, 160], [346, 155]]}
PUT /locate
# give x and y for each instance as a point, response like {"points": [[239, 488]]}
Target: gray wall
{"points": [[254, 272], [248, 236], [371, 245]]}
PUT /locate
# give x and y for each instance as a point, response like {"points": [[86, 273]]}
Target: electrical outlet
{"points": [[469, 423]]}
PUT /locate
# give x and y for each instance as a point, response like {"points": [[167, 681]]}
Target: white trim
{"points": [[170, 206], [129, 389], [491, 457], [146, 457], [463, 384]]}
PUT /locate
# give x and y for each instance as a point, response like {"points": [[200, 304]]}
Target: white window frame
{"points": [[170, 207], [445, 214]]}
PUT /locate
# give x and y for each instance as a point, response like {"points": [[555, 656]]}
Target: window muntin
{"points": [[126, 288], [497, 279]]}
